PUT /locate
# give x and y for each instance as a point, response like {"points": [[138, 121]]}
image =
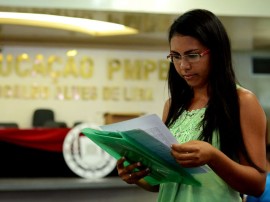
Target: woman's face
{"points": [[195, 73]]}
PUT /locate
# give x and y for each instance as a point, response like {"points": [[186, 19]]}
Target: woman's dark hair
{"points": [[222, 113], [268, 152]]}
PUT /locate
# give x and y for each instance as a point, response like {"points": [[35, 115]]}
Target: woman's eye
{"points": [[192, 56], [177, 56]]}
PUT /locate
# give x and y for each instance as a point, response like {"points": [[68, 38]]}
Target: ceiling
{"points": [[246, 33]]}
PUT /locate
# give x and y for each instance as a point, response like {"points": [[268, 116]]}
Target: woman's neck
{"points": [[199, 100]]}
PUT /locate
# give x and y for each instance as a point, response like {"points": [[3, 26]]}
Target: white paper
{"points": [[154, 126]]}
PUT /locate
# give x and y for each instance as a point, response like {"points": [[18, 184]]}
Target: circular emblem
{"points": [[84, 157]]}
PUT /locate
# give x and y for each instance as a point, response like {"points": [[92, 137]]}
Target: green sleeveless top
{"points": [[213, 188]]}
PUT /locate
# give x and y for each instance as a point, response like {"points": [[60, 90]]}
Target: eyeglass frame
{"points": [[170, 56]]}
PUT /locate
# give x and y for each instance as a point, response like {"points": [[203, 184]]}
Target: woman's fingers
{"points": [[120, 163], [134, 177], [131, 173], [192, 153]]}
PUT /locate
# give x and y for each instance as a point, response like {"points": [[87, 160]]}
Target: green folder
{"points": [[138, 146]]}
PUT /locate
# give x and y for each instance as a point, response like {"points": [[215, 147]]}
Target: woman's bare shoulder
{"points": [[250, 106], [246, 95]]}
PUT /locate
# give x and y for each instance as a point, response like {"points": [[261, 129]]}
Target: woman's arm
{"points": [[253, 125], [240, 176]]}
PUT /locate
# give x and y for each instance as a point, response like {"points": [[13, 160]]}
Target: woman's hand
{"points": [[128, 173], [193, 153]]}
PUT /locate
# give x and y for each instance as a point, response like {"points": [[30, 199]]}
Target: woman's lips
{"points": [[189, 76]]}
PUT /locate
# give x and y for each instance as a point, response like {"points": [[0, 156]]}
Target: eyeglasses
{"points": [[190, 58]]}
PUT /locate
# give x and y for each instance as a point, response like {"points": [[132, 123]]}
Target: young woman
{"points": [[217, 122]]}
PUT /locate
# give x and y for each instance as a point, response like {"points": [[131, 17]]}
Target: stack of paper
{"points": [[147, 140]]}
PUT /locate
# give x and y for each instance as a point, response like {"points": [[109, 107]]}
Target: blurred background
{"points": [[73, 73], [82, 76]]}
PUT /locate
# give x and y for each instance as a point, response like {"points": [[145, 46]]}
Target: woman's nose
{"points": [[184, 64]]}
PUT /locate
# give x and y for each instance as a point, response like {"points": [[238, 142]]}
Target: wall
{"points": [[97, 81], [80, 86], [257, 83]]}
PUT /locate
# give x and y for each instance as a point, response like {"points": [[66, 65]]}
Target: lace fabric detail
{"points": [[188, 126]]}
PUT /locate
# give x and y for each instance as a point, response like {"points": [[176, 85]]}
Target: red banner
{"points": [[43, 139]]}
